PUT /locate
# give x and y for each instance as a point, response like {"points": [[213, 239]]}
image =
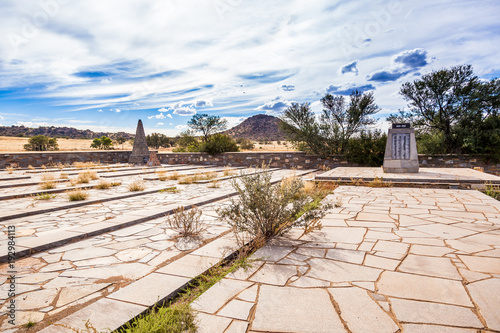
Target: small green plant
{"points": [[137, 186], [45, 196], [493, 191], [186, 223], [78, 195], [172, 189], [29, 324]]}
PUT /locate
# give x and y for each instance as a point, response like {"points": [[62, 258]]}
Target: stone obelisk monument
{"points": [[140, 152]]}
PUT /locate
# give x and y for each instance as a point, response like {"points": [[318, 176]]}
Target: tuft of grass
{"points": [[214, 183], [44, 166], [29, 324], [172, 189], [86, 176], [115, 184], [176, 318], [186, 223], [63, 175], [48, 185], [162, 175], [86, 165], [187, 180], [78, 195], [379, 182], [103, 185], [173, 176], [31, 167], [10, 169], [137, 186], [47, 177], [45, 196]]}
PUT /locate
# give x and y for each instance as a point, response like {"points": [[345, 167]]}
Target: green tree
{"points": [[301, 128], [339, 121], [96, 143], [186, 141], [106, 142], [41, 143], [207, 125], [453, 102], [157, 140]]}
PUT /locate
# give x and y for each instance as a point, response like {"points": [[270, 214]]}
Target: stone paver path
{"points": [[127, 270], [388, 259]]}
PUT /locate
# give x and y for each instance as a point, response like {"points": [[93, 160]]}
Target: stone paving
{"points": [[424, 175], [85, 279], [387, 260]]}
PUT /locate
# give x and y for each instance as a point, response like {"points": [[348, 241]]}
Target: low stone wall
{"points": [[286, 160], [37, 159]]}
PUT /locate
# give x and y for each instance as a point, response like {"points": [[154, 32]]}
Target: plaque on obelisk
{"points": [[401, 150], [140, 151]]}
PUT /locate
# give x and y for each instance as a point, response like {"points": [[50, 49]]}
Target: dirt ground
{"points": [[14, 144]]}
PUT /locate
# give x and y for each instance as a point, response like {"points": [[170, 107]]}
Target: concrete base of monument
{"points": [[400, 166]]}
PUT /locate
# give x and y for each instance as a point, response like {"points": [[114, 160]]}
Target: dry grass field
{"points": [[15, 144]]}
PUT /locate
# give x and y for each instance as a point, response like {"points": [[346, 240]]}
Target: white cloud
{"points": [[275, 107], [30, 124], [169, 115], [159, 124], [185, 111], [2, 118], [170, 124], [118, 110], [100, 110], [163, 110], [181, 127], [106, 81], [158, 116]]}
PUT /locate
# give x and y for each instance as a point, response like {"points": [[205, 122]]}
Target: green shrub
{"points": [[264, 210], [218, 143], [186, 223], [368, 149], [245, 143]]}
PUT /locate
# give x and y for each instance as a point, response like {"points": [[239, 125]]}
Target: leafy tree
{"points": [[452, 102], [339, 121], [96, 143], [41, 143], [157, 140], [330, 133], [300, 126], [219, 143], [367, 149], [106, 142], [186, 142], [245, 143], [207, 125]]}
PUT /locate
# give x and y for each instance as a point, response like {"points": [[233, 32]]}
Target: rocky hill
{"points": [[258, 127], [59, 132]]}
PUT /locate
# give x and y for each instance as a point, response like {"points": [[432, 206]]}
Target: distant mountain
{"points": [[258, 127], [59, 132]]}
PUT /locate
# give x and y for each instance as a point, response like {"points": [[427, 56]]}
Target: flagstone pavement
{"points": [[387, 260]]}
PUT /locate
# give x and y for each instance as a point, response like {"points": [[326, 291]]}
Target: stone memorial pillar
{"points": [[140, 151], [401, 150]]}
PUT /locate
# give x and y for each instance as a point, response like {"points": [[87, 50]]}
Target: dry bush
{"points": [[162, 175], [265, 210], [137, 186], [187, 180], [186, 223], [47, 177], [48, 185], [103, 185], [77, 195], [174, 176], [86, 176]]}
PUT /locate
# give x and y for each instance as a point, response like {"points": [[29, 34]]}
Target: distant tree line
{"points": [[41, 143], [452, 111]]}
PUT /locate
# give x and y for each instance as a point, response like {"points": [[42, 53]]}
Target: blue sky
{"points": [[103, 65]]}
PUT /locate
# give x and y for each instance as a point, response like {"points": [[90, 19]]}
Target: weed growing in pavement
{"points": [[265, 210], [45, 177], [228, 172], [493, 191], [63, 175], [379, 182], [31, 167], [172, 189], [86, 176], [186, 222], [214, 183], [173, 176], [77, 195], [103, 185], [45, 196], [137, 186], [162, 175], [9, 169]]}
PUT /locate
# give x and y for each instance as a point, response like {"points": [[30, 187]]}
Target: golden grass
{"points": [[84, 165], [173, 176], [228, 172], [86, 176], [9, 169], [48, 177], [48, 185], [137, 186], [31, 167], [103, 185], [63, 175], [77, 195]]}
